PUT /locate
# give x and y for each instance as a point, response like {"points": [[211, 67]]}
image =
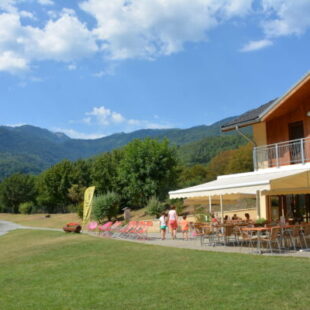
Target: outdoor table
{"points": [[258, 231]]}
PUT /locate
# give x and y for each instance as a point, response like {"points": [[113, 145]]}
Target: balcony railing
{"points": [[282, 154]]}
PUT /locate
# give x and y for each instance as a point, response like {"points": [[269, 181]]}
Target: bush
{"points": [[154, 207], [25, 207], [106, 205]]}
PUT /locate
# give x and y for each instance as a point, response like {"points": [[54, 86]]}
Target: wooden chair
{"points": [[305, 233], [273, 237], [294, 236], [245, 237]]}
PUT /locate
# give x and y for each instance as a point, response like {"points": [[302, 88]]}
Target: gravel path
{"points": [[5, 227]]}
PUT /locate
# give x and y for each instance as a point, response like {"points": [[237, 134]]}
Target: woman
{"points": [[173, 222]]}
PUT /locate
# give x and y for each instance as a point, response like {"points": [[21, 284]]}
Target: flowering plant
{"points": [[73, 224]]}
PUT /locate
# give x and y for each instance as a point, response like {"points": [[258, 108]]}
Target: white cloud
{"points": [[287, 17], [79, 135], [72, 67], [27, 14], [256, 45], [8, 5], [46, 2], [15, 125], [65, 39], [105, 116], [133, 28], [11, 62], [151, 28]]}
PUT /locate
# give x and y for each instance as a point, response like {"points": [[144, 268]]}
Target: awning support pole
{"points": [[221, 202], [258, 204], [210, 205]]}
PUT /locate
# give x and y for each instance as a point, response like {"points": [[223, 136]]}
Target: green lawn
{"points": [[51, 270]]}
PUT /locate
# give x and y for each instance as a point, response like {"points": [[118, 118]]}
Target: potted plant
{"points": [[260, 222], [72, 227]]}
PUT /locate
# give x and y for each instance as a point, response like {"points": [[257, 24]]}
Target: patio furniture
{"points": [[225, 234], [206, 233], [245, 235], [273, 237], [305, 233], [293, 233], [105, 228], [92, 226]]}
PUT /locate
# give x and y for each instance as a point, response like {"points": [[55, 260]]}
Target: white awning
{"points": [[247, 184]]}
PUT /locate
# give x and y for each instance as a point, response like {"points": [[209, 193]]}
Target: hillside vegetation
{"points": [[29, 149]]}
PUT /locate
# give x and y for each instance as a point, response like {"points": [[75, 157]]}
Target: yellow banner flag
{"points": [[88, 197]]}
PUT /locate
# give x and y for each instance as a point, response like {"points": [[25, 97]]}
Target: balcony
{"points": [[282, 154]]}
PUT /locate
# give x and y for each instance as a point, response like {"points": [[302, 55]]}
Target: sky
{"points": [[91, 68]]}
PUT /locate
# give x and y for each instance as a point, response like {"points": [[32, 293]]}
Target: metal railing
{"points": [[281, 154]]}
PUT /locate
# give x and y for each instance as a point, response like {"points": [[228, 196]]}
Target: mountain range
{"points": [[30, 149]]}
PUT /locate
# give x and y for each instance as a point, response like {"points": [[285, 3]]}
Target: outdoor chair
{"points": [[114, 230], [105, 228], [92, 226], [273, 237], [198, 231], [294, 236], [206, 234], [141, 230], [245, 237], [305, 233], [226, 234]]}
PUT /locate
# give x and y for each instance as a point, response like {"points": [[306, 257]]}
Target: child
{"points": [[163, 225], [184, 227]]}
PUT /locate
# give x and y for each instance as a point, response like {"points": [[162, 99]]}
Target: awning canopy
{"points": [[273, 181]]}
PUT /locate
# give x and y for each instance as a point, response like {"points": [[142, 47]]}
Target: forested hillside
{"points": [[29, 149]]}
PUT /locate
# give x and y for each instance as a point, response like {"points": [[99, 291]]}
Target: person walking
{"points": [[184, 227], [173, 222], [163, 225]]}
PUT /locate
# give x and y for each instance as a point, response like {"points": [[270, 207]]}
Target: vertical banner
{"points": [[88, 197]]}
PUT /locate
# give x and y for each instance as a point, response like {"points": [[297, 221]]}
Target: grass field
{"points": [[39, 220], [52, 270], [56, 220]]}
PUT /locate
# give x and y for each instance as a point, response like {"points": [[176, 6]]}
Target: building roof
{"points": [[247, 118], [254, 116]]}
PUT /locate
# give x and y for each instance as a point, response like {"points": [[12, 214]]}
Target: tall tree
{"points": [[16, 189], [53, 187], [104, 171], [148, 168]]}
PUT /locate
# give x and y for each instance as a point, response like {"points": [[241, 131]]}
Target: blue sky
{"points": [[96, 67]]}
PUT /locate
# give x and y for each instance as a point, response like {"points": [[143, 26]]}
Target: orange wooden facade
{"points": [[292, 109]]}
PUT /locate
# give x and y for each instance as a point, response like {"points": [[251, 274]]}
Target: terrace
{"points": [[282, 154]]}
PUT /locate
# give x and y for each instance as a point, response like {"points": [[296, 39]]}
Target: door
{"points": [[295, 131]]}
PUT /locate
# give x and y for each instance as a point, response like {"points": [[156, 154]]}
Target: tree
{"points": [[232, 161], [148, 168], [241, 160], [190, 176], [53, 186], [81, 173], [218, 165], [16, 189], [106, 205], [104, 171]]}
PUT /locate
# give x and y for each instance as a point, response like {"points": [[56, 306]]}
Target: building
{"points": [[280, 182]]}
